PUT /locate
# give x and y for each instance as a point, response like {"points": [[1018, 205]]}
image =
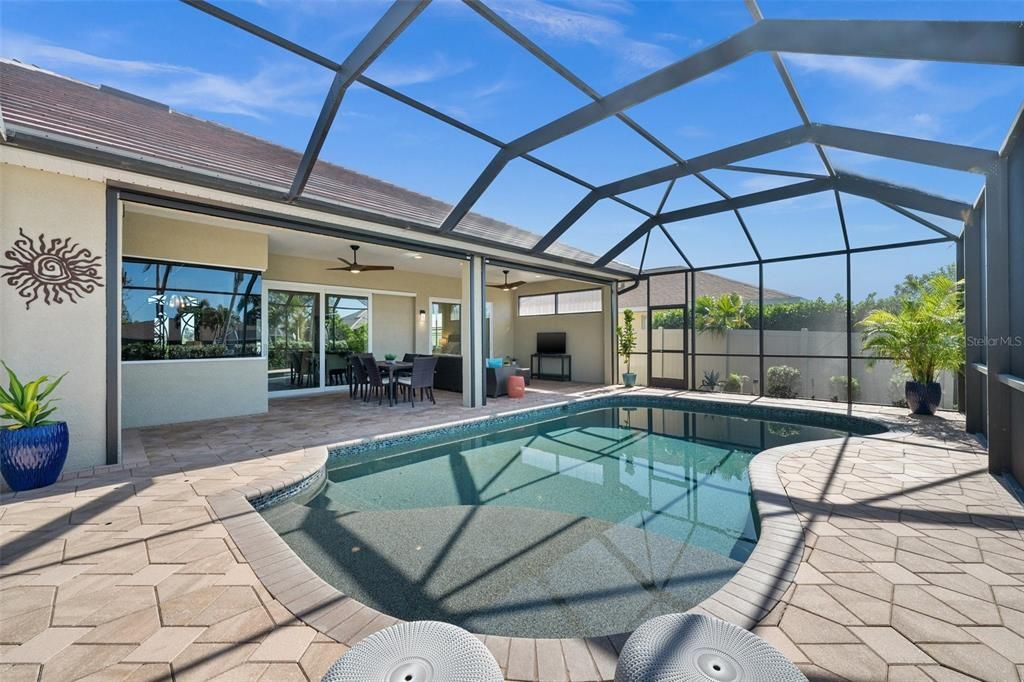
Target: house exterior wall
{"points": [[424, 286], [65, 337], [149, 236], [162, 392], [588, 336], [394, 321], [67, 197], [171, 391]]}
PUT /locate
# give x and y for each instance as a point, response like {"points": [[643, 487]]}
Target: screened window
{"points": [[544, 304], [561, 303], [172, 311], [588, 301]]}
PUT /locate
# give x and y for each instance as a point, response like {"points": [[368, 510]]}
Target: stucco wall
{"points": [[393, 325], [148, 236], [52, 339], [173, 391], [587, 334]]}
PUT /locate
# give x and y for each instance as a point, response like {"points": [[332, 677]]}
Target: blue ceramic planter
{"points": [[33, 457], [922, 398]]}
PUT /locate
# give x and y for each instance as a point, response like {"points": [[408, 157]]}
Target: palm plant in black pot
{"points": [[32, 448], [924, 337]]}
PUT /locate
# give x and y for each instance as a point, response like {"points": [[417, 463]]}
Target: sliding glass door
{"points": [[311, 333], [346, 331], [293, 322]]}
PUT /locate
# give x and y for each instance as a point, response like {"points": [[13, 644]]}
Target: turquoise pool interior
{"points": [[579, 525]]}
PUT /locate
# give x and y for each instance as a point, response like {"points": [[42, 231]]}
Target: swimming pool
{"points": [[581, 524]]}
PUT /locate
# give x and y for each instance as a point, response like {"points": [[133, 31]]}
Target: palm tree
{"points": [[926, 335], [718, 315]]}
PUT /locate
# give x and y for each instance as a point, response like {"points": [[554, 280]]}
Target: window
{"points": [[446, 328], [171, 311], [347, 323], [588, 301], [543, 304], [561, 303]]}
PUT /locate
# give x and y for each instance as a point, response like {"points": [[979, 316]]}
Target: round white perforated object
{"points": [[683, 647], [421, 651]]}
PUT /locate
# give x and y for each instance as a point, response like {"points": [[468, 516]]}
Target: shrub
{"points": [[734, 383], [839, 388], [710, 381], [782, 381]]}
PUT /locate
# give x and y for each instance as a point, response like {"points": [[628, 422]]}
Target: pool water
{"points": [[583, 525]]}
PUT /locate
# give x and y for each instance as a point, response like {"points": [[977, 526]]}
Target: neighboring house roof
{"points": [[671, 290], [44, 101]]}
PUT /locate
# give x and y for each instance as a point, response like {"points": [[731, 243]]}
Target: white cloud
{"points": [[437, 67], [880, 74], [273, 88], [579, 27]]}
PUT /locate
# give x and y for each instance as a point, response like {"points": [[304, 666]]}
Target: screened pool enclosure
{"points": [[802, 221]]}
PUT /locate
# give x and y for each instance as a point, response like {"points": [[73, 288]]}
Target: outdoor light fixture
{"points": [[417, 256], [423, 315]]}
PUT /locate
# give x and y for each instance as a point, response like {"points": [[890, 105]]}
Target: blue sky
{"points": [[453, 60]]}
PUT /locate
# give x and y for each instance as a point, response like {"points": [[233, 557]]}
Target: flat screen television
{"points": [[551, 343]]}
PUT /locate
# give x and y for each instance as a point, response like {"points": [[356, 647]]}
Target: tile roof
{"points": [[44, 101], [669, 290]]}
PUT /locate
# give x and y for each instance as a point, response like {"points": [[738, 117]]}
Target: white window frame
{"points": [[322, 290]]}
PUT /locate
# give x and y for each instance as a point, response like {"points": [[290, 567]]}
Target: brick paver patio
{"points": [[913, 567]]}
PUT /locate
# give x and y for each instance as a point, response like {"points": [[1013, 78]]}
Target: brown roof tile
{"points": [[44, 101]]}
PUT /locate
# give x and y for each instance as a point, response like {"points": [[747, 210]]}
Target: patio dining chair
{"points": [[422, 377], [356, 376], [376, 383]]}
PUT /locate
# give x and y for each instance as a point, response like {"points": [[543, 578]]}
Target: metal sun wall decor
{"points": [[59, 272]]}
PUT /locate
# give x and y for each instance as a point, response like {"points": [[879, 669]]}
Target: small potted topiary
{"points": [[32, 448], [627, 344], [390, 357]]}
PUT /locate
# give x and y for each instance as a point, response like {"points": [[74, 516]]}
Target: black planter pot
{"points": [[923, 399], [33, 457]]}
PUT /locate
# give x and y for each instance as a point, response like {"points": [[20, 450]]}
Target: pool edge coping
{"points": [[747, 597]]}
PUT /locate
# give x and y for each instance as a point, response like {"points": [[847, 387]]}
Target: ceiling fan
{"points": [[354, 266], [507, 286]]}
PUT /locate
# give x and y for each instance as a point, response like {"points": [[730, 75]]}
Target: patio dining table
{"points": [[393, 367]]}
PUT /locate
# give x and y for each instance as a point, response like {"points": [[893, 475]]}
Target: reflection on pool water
{"points": [[584, 525]]}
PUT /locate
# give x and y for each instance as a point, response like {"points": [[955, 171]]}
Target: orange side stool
{"points": [[516, 387]]}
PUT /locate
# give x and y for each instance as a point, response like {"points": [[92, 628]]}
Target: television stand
{"points": [[564, 360]]}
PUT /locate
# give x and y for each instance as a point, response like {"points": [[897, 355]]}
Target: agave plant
{"points": [[26, 404], [926, 335], [718, 315]]}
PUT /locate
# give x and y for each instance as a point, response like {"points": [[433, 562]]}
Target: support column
{"points": [[474, 302], [115, 214], [997, 331], [611, 309]]}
